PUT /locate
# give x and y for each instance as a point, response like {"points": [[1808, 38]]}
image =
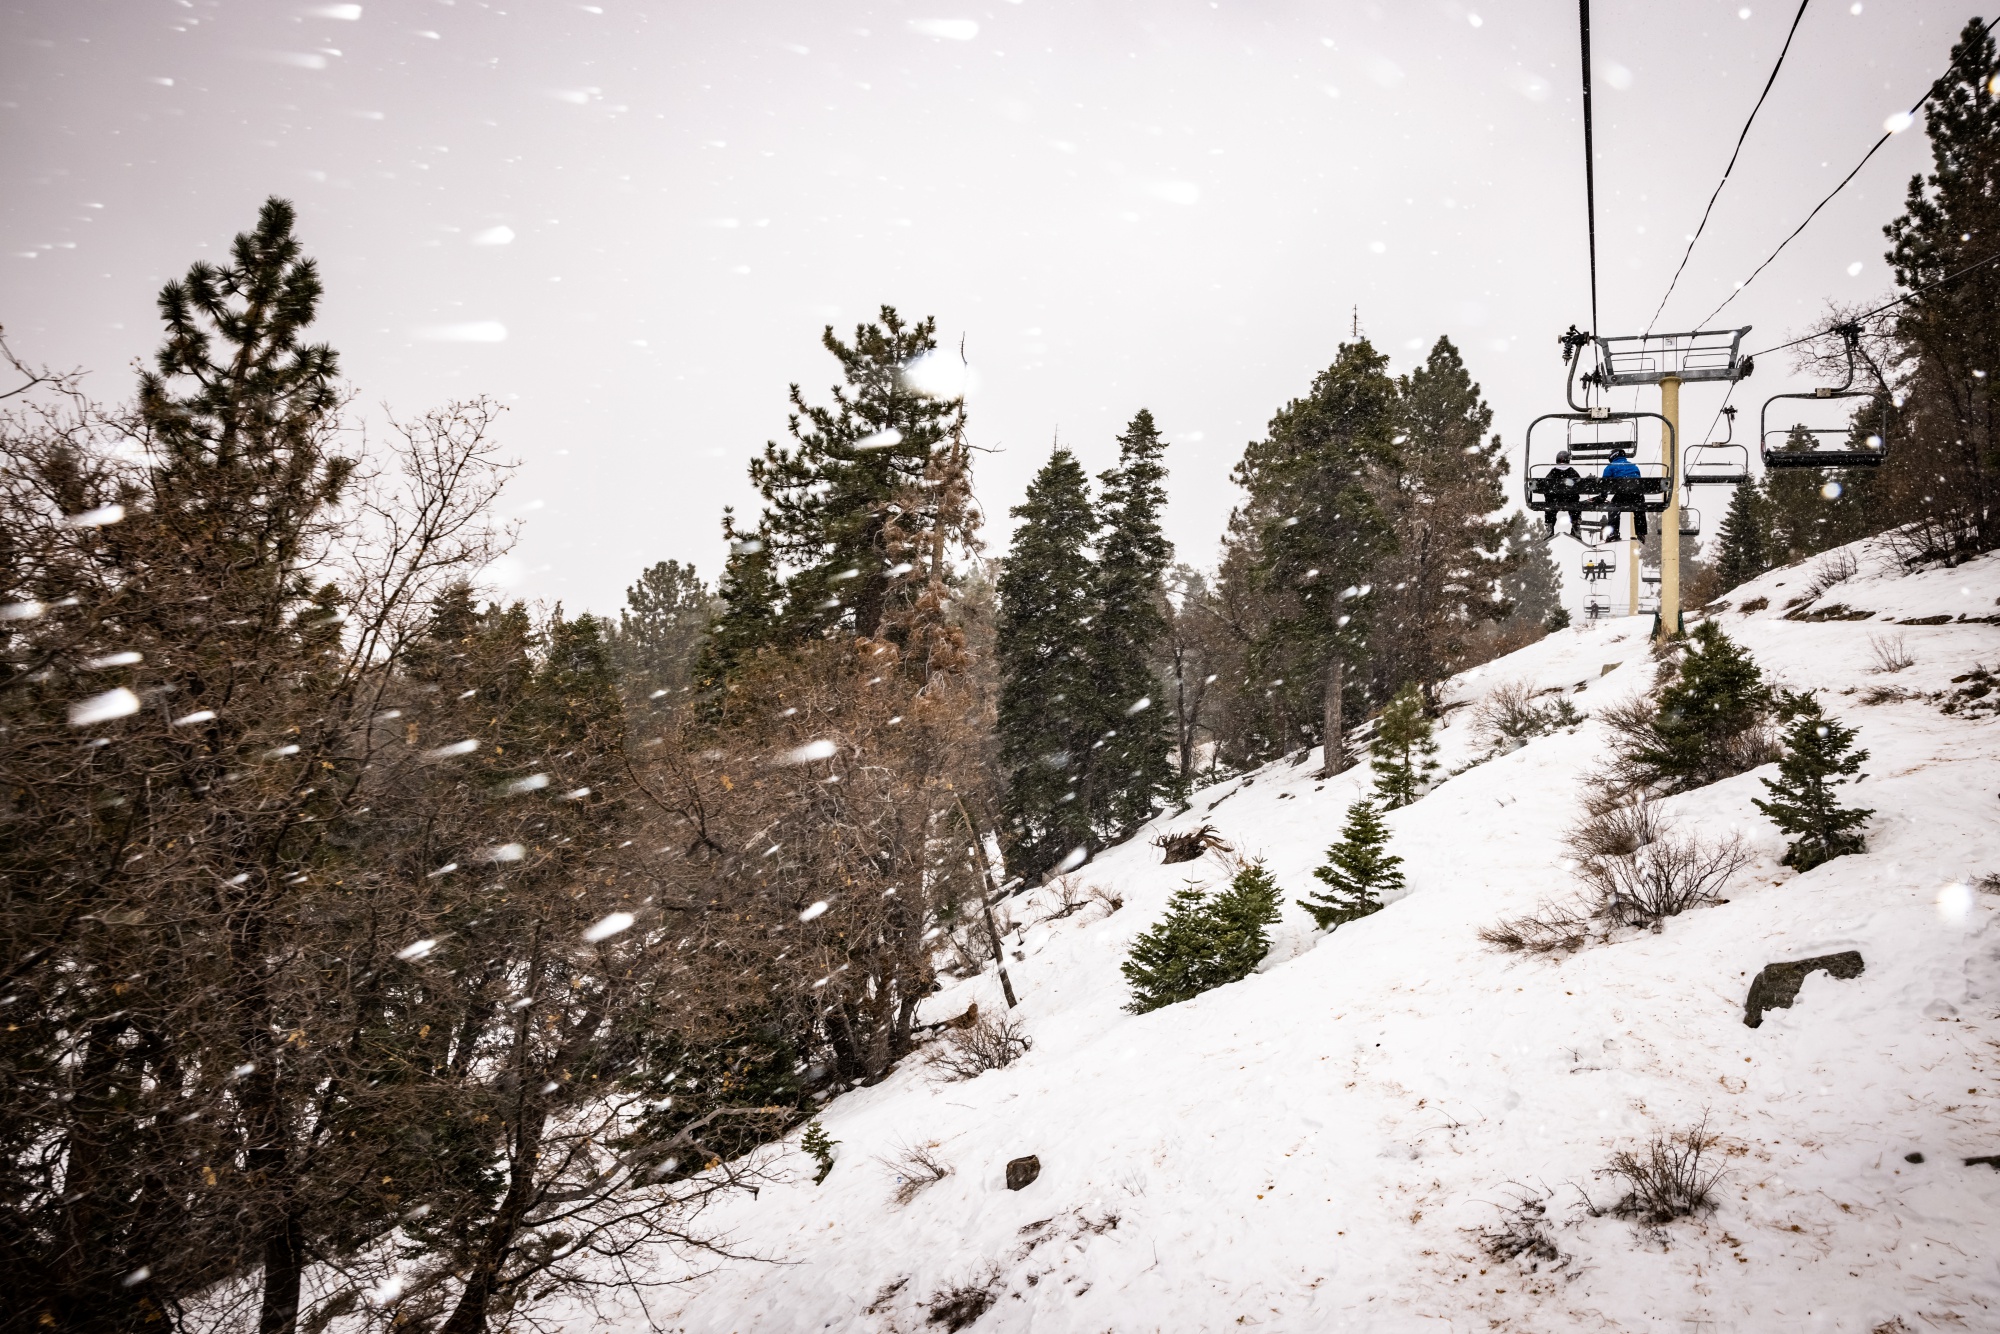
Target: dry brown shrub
{"points": [[1616, 831], [1669, 1179], [1665, 878], [914, 1167], [1553, 928], [1523, 1233], [1636, 868], [1891, 654], [989, 1042]]}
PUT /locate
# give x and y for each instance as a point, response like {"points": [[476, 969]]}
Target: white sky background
{"points": [[1174, 205]]}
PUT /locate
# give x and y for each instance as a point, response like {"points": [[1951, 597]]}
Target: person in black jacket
{"points": [[1559, 488]]}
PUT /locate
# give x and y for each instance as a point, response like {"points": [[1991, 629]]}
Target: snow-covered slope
{"points": [[1318, 1146]]}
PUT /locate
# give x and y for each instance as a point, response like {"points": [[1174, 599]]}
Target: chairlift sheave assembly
{"points": [[1842, 453]]}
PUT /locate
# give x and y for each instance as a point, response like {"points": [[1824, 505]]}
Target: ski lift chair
{"points": [[1690, 522], [1596, 609], [1600, 565], [1846, 445], [1719, 462], [1591, 438]]}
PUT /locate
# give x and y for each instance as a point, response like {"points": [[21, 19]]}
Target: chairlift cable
{"points": [[1937, 85], [1589, 158], [1910, 295], [1734, 154]]}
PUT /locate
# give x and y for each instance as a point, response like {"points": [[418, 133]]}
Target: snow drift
{"points": [[1323, 1145]]}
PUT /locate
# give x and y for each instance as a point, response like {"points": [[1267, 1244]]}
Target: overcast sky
{"points": [[630, 221]]}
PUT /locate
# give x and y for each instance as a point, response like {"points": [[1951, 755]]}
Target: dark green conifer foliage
{"points": [[1134, 765], [1740, 543], [1530, 583], [1946, 330], [244, 457], [660, 631], [1403, 751], [1819, 756], [1803, 511], [1203, 942], [1441, 579], [1049, 715], [1315, 529], [1359, 870], [819, 1146], [829, 497], [1707, 715], [747, 616]]}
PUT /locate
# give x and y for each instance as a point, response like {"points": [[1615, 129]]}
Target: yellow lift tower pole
{"points": [[1670, 522]]}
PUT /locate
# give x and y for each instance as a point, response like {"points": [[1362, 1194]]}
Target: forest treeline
{"points": [[375, 950]]}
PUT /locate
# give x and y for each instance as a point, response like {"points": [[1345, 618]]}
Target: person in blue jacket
{"points": [[1620, 466]]}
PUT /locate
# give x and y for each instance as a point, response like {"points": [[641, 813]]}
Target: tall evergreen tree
{"points": [[1315, 529], [1441, 500], [858, 508], [1740, 546], [852, 469], [1134, 764], [1403, 752], [1049, 713], [1359, 870], [1819, 756], [1950, 223], [660, 631]]}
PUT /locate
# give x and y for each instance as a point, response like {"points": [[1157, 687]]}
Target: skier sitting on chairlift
{"points": [[1620, 466], [1559, 487]]}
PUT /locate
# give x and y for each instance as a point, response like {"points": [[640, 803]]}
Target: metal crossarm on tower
{"points": [[1712, 354]]}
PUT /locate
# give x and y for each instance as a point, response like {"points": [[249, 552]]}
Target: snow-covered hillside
{"points": [[1318, 1147]]}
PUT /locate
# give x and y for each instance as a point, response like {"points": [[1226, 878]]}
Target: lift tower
{"points": [[1670, 360]]}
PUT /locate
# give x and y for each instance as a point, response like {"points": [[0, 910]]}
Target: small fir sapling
{"points": [[1203, 942], [1818, 757], [1709, 724], [819, 1146], [1405, 756], [1359, 869]]}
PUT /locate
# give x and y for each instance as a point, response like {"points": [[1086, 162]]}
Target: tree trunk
{"points": [[1334, 680], [284, 1269]]}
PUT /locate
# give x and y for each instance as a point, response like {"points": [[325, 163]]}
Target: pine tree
{"points": [[1740, 545], [1359, 870], [1440, 499], [1049, 714], [1804, 512], [660, 630], [1707, 715], [853, 471], [1134, 764], [1313, 530], [1530, 583], [1948, 473], [746, 619], [819, 1146], [1403, 752], [1818, 757], [1203, 943]]}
